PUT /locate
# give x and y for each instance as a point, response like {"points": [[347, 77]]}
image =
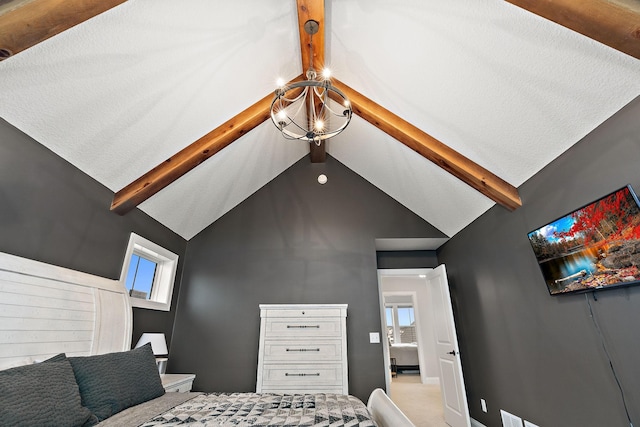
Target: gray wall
{"points": [[406, 259], [524, 351], [52, 212], [293, 241]]}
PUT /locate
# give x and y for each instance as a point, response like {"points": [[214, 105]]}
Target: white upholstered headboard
{"points": [[46, 310]]}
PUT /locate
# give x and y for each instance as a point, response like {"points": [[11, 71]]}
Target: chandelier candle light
{"points": [[311, 110]]}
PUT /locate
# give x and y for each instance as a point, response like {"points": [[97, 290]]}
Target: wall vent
{"points": [[510, 420]]}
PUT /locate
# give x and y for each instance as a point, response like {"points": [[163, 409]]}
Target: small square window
{"points": [[148, 274], [140, 277]]}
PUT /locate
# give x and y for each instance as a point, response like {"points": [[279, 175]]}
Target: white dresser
{"points": [[303, 349]]}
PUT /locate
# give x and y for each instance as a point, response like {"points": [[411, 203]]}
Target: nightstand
{"points": [[181, 383]]}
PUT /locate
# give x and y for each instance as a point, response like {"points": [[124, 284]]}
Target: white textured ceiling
{"points": [[121, 92]]}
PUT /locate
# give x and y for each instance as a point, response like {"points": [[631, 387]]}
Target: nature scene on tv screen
{"points": [[594, 247]]}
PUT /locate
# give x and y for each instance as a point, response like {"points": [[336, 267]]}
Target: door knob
{"points": [[452, 352]]}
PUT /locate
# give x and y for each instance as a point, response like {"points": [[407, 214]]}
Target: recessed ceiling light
{"points": [[322, 179]]}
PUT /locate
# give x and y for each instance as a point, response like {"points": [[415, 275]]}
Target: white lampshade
{"points": [[158, 343]]}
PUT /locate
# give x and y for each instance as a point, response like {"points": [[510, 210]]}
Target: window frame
{"points": [[396, 328], [164, 279]]}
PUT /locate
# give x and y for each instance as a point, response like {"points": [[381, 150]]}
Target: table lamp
{"points": [[158, 346]]}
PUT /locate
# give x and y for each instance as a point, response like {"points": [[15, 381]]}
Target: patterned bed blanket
{"points": [[252, 409]]}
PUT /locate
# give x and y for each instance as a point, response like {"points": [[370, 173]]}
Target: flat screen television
{"points": [[594, 247]]}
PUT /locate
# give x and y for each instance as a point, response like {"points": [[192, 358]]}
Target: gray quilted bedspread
{"points": [[251, 409]]}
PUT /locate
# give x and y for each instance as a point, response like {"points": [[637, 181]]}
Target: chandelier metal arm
{"points": [[287, 120], [320, 121], [303, 94]]}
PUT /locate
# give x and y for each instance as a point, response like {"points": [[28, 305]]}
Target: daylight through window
{"points": [[149, 273], [140, 276], [401, 324]]}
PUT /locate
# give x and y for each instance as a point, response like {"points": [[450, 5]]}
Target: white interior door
{"points": [[454, 397]]}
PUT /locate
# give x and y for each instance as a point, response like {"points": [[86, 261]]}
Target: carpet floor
{"points": [[421, 403]]}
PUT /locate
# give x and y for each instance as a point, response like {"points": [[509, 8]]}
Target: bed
{"points": [[406, 356], [65, 360]]}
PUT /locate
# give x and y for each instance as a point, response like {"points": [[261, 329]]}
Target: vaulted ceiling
{"points": [[456, 104]]}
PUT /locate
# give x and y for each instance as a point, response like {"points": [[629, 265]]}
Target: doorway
{"points": [[399, 291], [439, 356], [402, 332]]}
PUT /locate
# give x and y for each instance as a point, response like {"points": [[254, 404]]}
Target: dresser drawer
{"points": [[294, 328], [304, 390], [303, 312], [305, 376], [303, 351]]}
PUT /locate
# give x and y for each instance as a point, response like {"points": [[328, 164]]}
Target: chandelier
{"points": [[311, 110]]}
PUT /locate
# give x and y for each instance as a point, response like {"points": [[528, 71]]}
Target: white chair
{"points": [[384, 412]]}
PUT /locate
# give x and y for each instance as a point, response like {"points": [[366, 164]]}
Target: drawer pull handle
{"points": [[287, 374], [303, 326], [303, 349]]}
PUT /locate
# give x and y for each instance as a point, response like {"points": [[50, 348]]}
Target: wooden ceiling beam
{"points": [[27, 23], [429, 147], [191, 156], [615, 23], [312, 10]]}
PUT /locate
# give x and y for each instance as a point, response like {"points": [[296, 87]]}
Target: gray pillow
{"points": [[56, 358], [41, 394], [112, 382]]}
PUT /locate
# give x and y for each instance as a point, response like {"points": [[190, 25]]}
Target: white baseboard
{"points": [[431, 380], [475, 423]]}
